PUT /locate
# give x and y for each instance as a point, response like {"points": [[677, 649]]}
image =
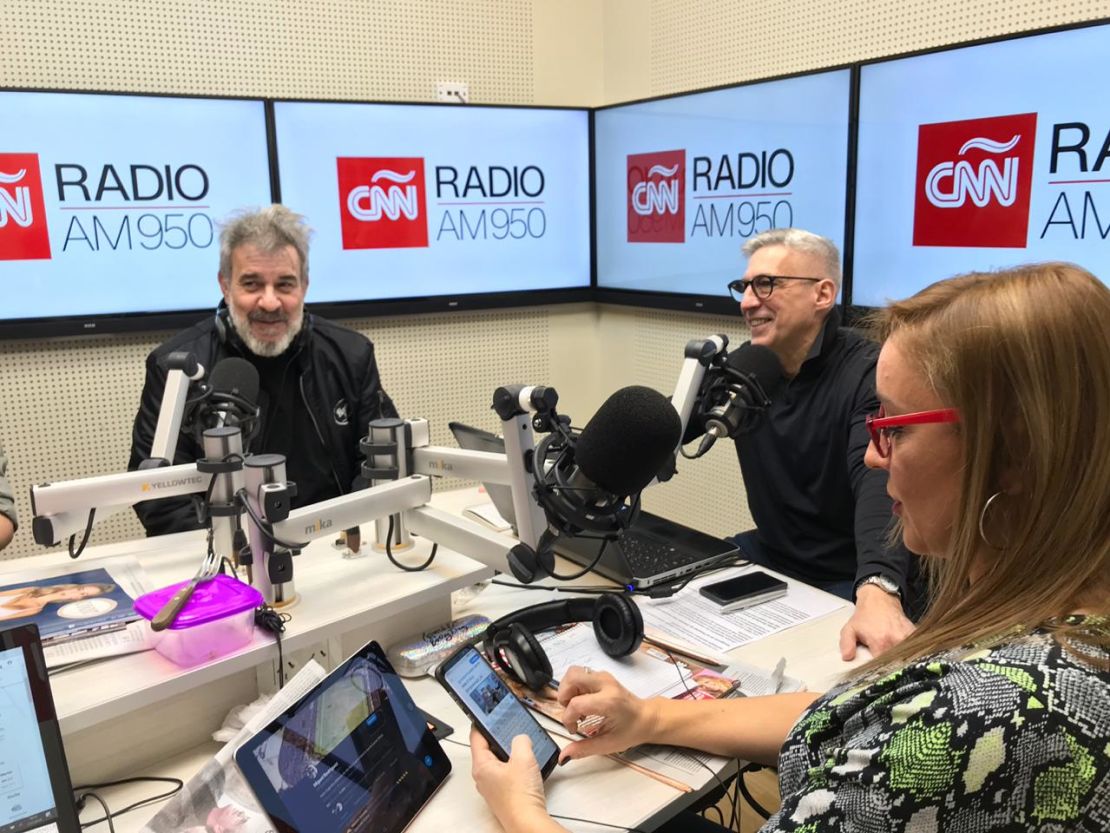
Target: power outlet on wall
{"points": [[453, 92], [327, 654]]}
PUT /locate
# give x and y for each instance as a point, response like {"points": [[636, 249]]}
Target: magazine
{"points": [[218, 798], [652, 671], [69, 605]]}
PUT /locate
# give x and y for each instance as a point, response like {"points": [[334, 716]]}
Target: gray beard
{"points": [[266, 349]]}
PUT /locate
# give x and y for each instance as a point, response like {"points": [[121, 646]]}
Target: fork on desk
{"points": [[208, 568]]}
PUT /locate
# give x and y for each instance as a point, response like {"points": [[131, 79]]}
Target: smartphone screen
{"points": [[496, 711], [743, 587]]}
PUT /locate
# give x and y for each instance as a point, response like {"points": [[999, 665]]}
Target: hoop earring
{"points": [[983, 517]]}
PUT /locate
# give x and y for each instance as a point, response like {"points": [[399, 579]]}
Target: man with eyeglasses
{"points": [[821, 515]]}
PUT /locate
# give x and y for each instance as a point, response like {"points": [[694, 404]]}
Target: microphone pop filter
{"points": [[628, 441], [235, 376], [758, 362]]}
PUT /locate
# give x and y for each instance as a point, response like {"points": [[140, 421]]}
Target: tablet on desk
{"points": [[354, 754]]}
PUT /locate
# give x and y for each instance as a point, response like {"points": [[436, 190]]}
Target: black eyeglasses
{"points": [[763, 285]]}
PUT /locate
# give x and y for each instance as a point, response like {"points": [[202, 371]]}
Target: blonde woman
{"points": [[994, 715], [20, 602]]}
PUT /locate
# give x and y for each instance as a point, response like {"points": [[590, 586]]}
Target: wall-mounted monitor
{"points": [[110, 204], [982, 157], [683, 182], [423, 201]]}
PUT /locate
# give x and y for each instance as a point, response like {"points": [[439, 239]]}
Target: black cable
{"points": [[270, 620], [398, 564], [107, 813], [265, 527], [617, 588], [743, 787], [84, 538], [588, 568], [724, 787]]}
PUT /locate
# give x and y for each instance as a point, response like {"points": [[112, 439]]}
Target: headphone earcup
{"points": [[527, 564], [618, 624], [221, 323], [521, 656]]}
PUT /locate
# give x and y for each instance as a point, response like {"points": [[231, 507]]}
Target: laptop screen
{"points": [[33, 773]]}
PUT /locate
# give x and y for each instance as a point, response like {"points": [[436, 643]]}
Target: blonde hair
{"points": [[1024, 354]]}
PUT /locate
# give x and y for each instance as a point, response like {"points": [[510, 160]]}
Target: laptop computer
{"points": [[37, 795], [652, 551]]}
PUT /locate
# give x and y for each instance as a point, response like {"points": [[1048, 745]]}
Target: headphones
{"points": [[223, 324], [510, 642]]}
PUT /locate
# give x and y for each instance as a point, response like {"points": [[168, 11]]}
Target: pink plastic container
{"points": [[217, 619]]}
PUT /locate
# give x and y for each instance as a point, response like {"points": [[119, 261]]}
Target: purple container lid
{"points": [[214, 599]]}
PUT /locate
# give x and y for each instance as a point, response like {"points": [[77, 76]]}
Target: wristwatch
{"points": [[880, 581]]}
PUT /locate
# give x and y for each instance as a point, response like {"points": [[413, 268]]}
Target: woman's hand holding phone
{"points": [[513, 789]]}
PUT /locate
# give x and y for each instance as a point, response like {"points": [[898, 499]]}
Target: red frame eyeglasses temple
{"points": [[880, 422]]}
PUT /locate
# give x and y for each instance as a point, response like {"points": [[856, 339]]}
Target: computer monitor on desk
{"points": [[37, 795], [652, 551]]}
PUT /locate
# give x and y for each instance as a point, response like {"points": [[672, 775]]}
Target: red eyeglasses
{"points": [[883, 428]]}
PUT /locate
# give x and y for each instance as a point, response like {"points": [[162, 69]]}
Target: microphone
{"points": [[231, 398], [753, 374], [620, 451]]}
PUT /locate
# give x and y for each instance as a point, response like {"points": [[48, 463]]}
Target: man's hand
{"points": [[878, 623]]}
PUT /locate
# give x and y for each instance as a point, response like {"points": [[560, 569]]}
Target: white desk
{"points": [[143, 715]]}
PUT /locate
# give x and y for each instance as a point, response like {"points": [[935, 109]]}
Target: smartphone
{"points": [[744, 591], [498, 713]]}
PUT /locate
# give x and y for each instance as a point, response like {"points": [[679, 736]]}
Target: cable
{"points": [[108, 816], [84, 538], [107, 813], [743, 787], [398, 564], [583, 590], [266, 528], [270, 620], [724, 787], [588, 568]]}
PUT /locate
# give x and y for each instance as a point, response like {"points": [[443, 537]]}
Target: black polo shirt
{"points": [[820, 513]]}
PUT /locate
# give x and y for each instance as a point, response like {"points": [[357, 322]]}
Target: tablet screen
{"points": [[354, 754], [36, 795]]}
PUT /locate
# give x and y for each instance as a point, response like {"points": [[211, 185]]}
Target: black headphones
{"points": [[510, 642]]}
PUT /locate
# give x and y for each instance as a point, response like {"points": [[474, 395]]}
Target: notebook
{"points": [[37, 795], [652, 551]]}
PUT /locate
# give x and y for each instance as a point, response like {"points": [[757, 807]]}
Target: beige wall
{"points": [[66, 405]]}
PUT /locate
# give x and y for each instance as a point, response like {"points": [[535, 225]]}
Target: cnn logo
{"points": [[974, 180], [657, 197], [382, 202], [23, 231]]}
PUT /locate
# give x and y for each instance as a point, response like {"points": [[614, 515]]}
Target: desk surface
{"points": [[346, 595]]}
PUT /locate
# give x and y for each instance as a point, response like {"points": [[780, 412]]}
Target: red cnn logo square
{"points": [[23, 231], [657, 197], [974, 181], [381, 202]]}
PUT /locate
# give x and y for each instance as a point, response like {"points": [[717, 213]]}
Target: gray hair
{"points": [[270, 229], [799, 240]]}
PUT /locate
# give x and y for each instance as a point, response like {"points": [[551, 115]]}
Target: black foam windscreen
{"points": [[759, 362], [626, 443], [235, 376]]}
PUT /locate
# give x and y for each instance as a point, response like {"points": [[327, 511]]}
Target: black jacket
{"points": [[819, 511], [336, 386]]}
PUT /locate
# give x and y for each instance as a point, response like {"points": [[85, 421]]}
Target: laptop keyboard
{"points": [[648, 555]]}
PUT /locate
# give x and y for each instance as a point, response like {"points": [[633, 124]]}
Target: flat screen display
{"points": [[411, 201], [982, 157], [355, 754], [109, 204], [683, 182]]}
